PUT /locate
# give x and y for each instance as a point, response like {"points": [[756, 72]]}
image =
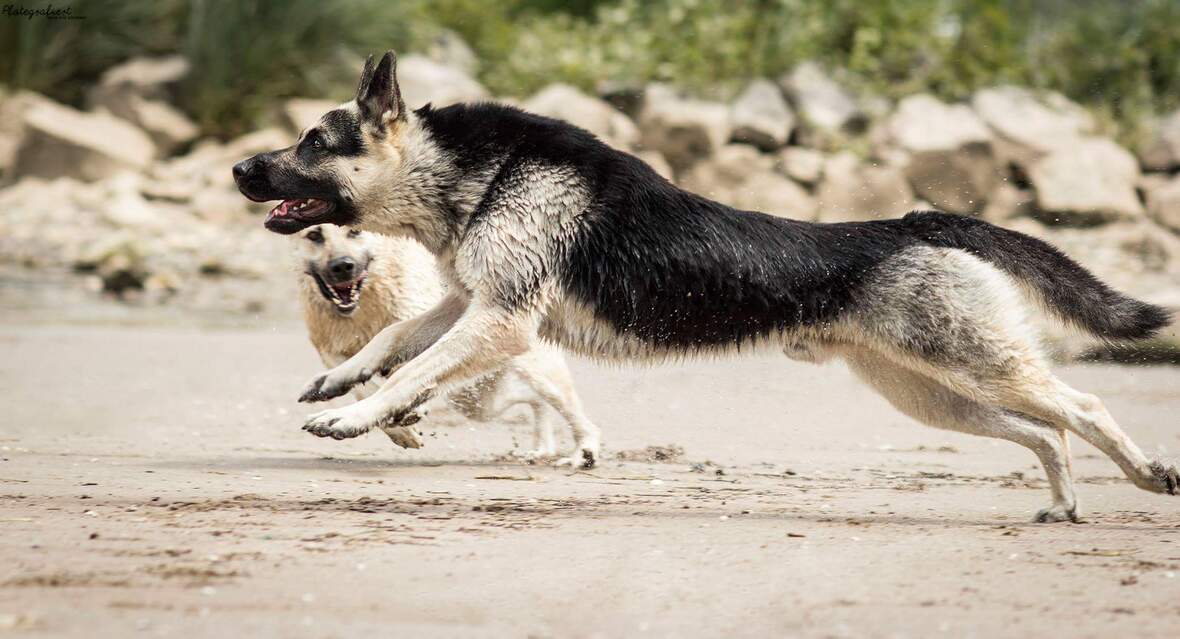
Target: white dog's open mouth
{"points": [[344, 296]]}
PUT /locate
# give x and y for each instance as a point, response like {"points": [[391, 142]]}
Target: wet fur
{"points": [[543, 231]]}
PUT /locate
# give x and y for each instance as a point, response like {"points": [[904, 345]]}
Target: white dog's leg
{"points": [[481, 341], [394, 345], [544, 370]]}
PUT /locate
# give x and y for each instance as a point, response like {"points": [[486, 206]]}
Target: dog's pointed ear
{"points": [[378, 95]]}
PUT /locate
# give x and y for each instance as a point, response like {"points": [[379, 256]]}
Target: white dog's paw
{"points": [[341, 423], [404, 436], [1056, 513], [539, 453], [334, 383], [584, 457]]}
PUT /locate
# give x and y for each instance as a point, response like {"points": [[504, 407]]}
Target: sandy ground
{"points": [[154, 481]]}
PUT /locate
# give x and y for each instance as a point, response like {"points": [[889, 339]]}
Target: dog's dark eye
{"points": [[354, 233], [315, 236], [313, 140]]}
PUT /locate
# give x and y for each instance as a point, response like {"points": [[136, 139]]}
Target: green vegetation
{"points": [[1120, 58]]}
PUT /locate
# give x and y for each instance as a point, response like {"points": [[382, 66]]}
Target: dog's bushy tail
{"points": [[1067, 289]]}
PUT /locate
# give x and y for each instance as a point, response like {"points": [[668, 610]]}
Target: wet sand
{"points": [[154, 480]]}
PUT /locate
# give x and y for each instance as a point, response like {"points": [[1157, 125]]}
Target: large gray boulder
{"points": [[761, 116], [822, 104], [1163, 204], [684, 130], [948, 151], [1028, 125], [565, 102], [922, 123], [1086, 181], [852, 191], [60, 141], [740, 176], [1162, 153], [423, 80]]}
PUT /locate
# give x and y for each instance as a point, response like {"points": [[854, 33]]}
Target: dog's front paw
{"points": [[340, 423], [333, 383]]}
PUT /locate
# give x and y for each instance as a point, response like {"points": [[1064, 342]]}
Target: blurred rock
{"points": [[656, 160], [300, 113], [627, 97], [924, 123], [141, 92], [1006, 202], [1029, 126], [423, 80], [802, 164], [684, 130], [950, 160], [760, 116], [851, 190], [59, 141], [259, 141], [822, 105], [1163, 204], [567, 103], [119, 262], [153, 78], [448, 48], [1086, 181], [771, 192], [168, 127], [740, 176], [12, 123], [1162, 153]]}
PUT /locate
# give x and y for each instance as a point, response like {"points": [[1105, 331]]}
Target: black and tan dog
{"points": [[545, 232]]}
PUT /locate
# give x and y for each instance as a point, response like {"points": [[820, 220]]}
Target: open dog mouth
{"points": [[344, 296], [294, 215]]}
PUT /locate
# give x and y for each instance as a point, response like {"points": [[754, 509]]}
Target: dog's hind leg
{"points": [[932, 403], [956, 319], [1049, 399]]}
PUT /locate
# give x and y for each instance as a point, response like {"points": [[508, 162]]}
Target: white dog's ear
{"points": [[378, 95]]}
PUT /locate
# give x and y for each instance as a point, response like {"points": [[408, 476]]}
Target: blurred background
{"points": [[119, 122]]}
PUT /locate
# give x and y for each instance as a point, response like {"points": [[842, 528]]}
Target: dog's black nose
{"points": [[342, 268], [243, 168]]}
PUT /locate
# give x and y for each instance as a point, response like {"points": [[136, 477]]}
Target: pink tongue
{"points": [[283, 207]]}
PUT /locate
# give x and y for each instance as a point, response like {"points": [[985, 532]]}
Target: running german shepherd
{"points": [[545, 232]]}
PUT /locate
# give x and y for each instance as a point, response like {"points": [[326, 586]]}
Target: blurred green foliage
{"points": [[1120, 58]]}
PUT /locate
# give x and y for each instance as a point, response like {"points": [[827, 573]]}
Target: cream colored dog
{"points": [[397, 279]]}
